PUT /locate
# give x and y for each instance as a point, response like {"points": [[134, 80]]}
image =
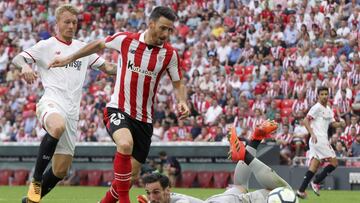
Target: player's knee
{"points": [[125, 147], [56, 129], [60, 172], [334, 163]]}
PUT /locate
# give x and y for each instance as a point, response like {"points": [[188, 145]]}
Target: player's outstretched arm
{"points": [[91, 48], [108, 68], [26, 71], [180, 93], [341, 124]]}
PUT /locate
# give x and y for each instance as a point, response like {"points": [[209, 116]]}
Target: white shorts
{"points": [[321, 150], [233, 195], [66, 144]]}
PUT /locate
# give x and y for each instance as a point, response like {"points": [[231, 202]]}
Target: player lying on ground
{"points": [[158, 189]]}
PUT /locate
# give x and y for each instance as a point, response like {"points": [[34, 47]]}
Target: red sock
{"points": [[122, 176], [111, 196]]}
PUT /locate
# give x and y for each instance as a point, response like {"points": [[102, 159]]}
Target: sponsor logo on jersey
{"points": [[74, 64], [133, 68]]}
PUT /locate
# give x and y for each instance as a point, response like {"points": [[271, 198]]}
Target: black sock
{"points": [[326, 171], [46, 151], [308, 176], [254, 143], [49, 182], [248, 158]]}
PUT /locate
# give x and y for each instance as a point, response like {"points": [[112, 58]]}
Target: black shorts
{"points": [[141, 132]]}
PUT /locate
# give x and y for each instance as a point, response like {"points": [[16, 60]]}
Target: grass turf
{"points": [[63, 194]]}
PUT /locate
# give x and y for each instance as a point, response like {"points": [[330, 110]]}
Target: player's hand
{"points": [[60, 62], [142, 199], [28, 74], [342, 123], [314, 139], [183, 110]]}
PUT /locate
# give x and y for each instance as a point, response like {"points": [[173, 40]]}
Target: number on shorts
{"points": [[116, 118]]}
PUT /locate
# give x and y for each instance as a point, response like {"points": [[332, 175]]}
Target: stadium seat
{"points": [[83, 176], [107, 177], [286, 112], [188, 178], [187, 54], [212, 130], [287, 103], [278, 103], [238, 70], [251, 102], [205, 179], [348, 164], [20, 177], [248, 70], [221, 179], [356, 164], [94, 177], [5, 175]]}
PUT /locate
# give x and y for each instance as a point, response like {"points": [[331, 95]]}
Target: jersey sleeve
{"points": [[95, 61], [115, 41], [35, 53], [313, 112], [332, 116], [173, 68]]}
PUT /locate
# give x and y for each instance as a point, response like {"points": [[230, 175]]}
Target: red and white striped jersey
{"points": [[140, 68], [355, 78], [300, 105]]}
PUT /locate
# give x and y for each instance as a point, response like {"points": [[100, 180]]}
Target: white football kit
{"points": [[232, 195], [180, 198], [63, 85], [320, 118]]}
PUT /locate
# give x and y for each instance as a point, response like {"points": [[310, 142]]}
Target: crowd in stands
{"points": [[243, 61]]}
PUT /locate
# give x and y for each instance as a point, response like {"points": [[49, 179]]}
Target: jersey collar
{"points": [[142, 38], [64, 42]]}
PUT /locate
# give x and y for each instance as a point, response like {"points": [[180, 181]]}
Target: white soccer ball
{"points": [[282, 195]]}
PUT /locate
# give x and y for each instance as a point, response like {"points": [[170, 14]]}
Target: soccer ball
{"points": [[282, 195]]}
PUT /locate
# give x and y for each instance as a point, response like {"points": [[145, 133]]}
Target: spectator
{"points": [[355, 147], [284, 139], [158, 131], [4, 60], [171, 167], [299, 138], [270, 112]]}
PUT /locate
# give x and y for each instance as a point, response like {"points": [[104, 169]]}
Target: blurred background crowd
{"points": [[243, 61]]}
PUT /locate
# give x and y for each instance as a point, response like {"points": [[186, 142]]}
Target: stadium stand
{"points": [[231, 52]]}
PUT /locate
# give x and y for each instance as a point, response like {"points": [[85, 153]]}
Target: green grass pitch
{"points": [[63, 194]]}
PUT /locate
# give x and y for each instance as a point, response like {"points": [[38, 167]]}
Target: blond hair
{"points": [[65, 7]]}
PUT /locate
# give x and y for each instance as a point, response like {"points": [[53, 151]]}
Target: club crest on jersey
{"points": [[133, 68], [160, 57], [74, 64]]}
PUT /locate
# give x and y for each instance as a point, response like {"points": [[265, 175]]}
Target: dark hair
{"points": [[157, 177], [162, 153], [163, 11], [322, 88]]}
